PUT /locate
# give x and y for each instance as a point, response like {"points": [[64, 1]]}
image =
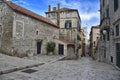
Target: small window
{"points": [[68, 24], [107, 12], [115, 5], [112, 59], [108, 36], [37, 32], [94, 44], [117, 30], [68, 14], [0, 28], [103, 37], [103, 3]]}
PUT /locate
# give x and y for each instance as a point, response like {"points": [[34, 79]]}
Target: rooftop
{"points": [[30, 13]]}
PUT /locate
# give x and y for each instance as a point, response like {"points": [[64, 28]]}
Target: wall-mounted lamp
{"points": [[104, 32]]}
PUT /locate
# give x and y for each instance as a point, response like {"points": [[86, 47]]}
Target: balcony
{"points": [[69, 35]]}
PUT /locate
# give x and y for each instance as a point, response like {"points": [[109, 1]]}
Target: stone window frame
{"points": [[117, 30], [14, 29], [37, 32]]}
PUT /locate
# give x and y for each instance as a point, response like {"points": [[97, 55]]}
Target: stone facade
{"points": [[82, 43], [110, 22], [70, 24], [23, 33], [94, 36]]}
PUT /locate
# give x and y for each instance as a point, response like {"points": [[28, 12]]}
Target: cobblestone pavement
{"points": [[83, 69], [11, 64]]}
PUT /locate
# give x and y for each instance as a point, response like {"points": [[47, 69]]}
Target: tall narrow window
{"points": [[37, 32], [115, 5], [103, 3], [103, 37], [107, 12], [117, 30], [108, 36], [68, 24], [94, 44]]}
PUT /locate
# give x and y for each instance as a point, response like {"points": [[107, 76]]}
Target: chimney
{"points": [[58, 6], [49, 8]]}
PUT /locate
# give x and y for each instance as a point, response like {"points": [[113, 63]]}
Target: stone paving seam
{"points": [[20, 68]]}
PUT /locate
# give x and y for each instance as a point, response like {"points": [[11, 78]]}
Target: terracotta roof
{"points": [[30, 13]]}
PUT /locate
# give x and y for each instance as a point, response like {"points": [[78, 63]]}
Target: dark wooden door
{"points": [[61, 49], [118, 54], [38, 47]]}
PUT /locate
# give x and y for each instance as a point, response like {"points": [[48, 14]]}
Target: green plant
{"points": [[50, 47]]}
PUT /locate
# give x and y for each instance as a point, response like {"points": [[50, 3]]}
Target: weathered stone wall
{"points": [[32, 31], [20, 33], [73, 16], [6, 22], [114, 19]]}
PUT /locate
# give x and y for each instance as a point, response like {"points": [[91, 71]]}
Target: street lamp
{"points": [[104, 32]]}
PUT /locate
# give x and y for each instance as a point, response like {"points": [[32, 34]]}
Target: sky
{"points": [[88, 9]]}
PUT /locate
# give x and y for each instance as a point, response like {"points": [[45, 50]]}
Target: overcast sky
{"points": [[88, 9]]}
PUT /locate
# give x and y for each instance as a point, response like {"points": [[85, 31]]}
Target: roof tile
{"points": [[30, 13]]}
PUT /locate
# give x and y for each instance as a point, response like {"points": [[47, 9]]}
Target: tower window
{"points": [[68, 24]]}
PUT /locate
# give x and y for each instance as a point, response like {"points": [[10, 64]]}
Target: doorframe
{"points": [[118, 64], [59, 49], [39, 41]]}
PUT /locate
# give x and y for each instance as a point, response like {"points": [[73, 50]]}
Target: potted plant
{"points": [[50, 47]]}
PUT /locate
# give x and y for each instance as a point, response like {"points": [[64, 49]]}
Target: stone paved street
{"points": [[10, 64], [82, 69]]}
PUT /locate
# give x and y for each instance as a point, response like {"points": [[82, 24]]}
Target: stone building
{"points": [[82, 43], [94, 36], [70, 25], [110, 31], [23, 32]]}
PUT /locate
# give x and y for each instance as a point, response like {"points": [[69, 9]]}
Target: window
{"points": [[94, 44], [68, 24], [117, 30], [103, 3], [112, 59], [68, 14], [54, 15], [37, 32], [103, 37], [48, 15], [108, 36], [104, 53], [115, 5], [0, 29], [107, 12]]}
